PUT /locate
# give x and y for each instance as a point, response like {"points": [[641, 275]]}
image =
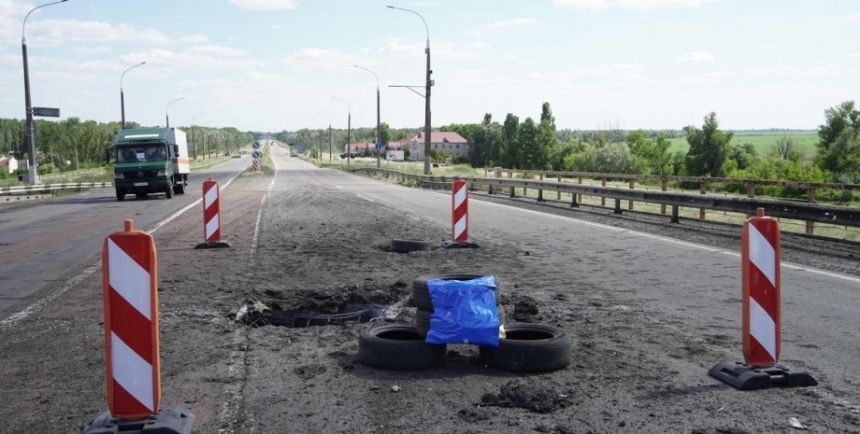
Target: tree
{"points": [[546, 115], [786, 147], [839, 145], [510, 146], [708, 148], [529, 152]]}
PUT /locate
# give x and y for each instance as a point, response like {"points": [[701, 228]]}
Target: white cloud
{"points": [[697, 57], [628, 4], [310, 59], [196, 38], [477, 33], [511, 57], [215, 50], [791, 71], [277, 26], [92, 50], [397, 47], [264, 5], [855, 16], [55, 32], [517, 22], [165, 59]]}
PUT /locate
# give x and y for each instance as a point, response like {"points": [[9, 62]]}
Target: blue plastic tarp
{"points": [[464, 312]]}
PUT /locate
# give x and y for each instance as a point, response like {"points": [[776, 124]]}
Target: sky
{"points": [[272, 65]]}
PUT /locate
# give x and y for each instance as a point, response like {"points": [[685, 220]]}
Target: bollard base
{"points": [[459, 245], [213, 245], [747, 377], [169, 420]]}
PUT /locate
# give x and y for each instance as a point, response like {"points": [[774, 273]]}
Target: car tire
{"points": [[397, 347], [529, 348], [406, 246], [120, 195], [421, 292]]}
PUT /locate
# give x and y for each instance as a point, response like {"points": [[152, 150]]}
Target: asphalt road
{"points": [[42, 241]]}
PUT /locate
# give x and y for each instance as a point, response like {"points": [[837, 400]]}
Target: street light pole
{"points": [[348, 130], [32, 176], [192, 133], [122, 96], [378, 123], [426, 94], [166, 115]]}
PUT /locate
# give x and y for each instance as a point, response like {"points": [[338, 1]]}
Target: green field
{"points": [[763, 141]]}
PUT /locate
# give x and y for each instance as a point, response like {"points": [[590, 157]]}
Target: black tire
{"points": [[397, 347], [529, 348], [169, 191], [120, 195], [421, 293], [406, 246], [179, 188], [422, 320]]}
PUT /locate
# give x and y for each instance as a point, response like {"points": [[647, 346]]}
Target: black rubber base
{"points": [[459, 245], [169, 420], [747, 377], [213, 245]]}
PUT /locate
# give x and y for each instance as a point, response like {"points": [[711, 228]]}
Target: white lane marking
{"points": [[260, 212], [365, 198], [40, 304]]}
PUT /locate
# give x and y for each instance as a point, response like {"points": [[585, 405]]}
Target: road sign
{"points": [[256, 154], [256, 145], [46, 112], [378, 146]]}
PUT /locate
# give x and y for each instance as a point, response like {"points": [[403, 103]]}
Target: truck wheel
{"points": [[179, 188], [169, 191], [120, 195]]}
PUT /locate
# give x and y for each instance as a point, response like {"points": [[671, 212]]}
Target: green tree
{"points": [[511, 152], [839, 145], [527, 142], [649, 157], [708, 148]]}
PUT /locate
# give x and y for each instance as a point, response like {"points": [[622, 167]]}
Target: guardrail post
{"points": [[664, 186], [513, 192], [573, 203], [617, 206], [525, 190], [750, 189], [630, 202], [703, 187], [558, 180], [675, 218], [603, 199], [511, 175], [579, 178], [810, 197], [540, 190], [490, 189]]}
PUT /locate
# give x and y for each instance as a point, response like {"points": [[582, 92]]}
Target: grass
{"points": [[763, 142]]}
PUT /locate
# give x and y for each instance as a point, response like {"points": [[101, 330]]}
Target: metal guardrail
{"points": [[46, 188], [804, 211]]}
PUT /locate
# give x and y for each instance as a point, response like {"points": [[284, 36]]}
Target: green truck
{"points": [[151, 160]]}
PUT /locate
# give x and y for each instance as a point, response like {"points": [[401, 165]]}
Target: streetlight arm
{"points": [[23, 26], [349, 110], [128, 69], [427, 29], [370, 71]]}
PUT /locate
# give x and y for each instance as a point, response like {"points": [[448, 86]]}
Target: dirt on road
{"points": [[322, 251]]}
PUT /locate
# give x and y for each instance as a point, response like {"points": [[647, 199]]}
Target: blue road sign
{"points": [[256, 154], [378, 146], [256, 145]]}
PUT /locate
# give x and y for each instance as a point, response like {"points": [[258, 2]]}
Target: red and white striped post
{"points": [[129, 276], [212, 216], [132, 366], [460, 211], [761, 316], [760, 265]]}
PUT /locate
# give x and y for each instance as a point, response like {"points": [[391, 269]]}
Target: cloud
{"points": [[697, 57], [190, 59], [629, 4], [477, 33], [517, 22], [791, 71], [92, 50], [511, 57], [55, 32], [310, 59], [264, 5], [855, 16], [215, 50], [277, 26], [397, 47], [196, 38]]}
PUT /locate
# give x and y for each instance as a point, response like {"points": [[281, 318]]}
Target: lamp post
{"points": [[426, 94], [348, 130], [32, 176], [121, 95], [329, 135], [193, 119], [378, 123], [166, 116]]}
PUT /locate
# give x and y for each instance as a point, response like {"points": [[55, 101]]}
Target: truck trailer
{"points": [[151, 160]]}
